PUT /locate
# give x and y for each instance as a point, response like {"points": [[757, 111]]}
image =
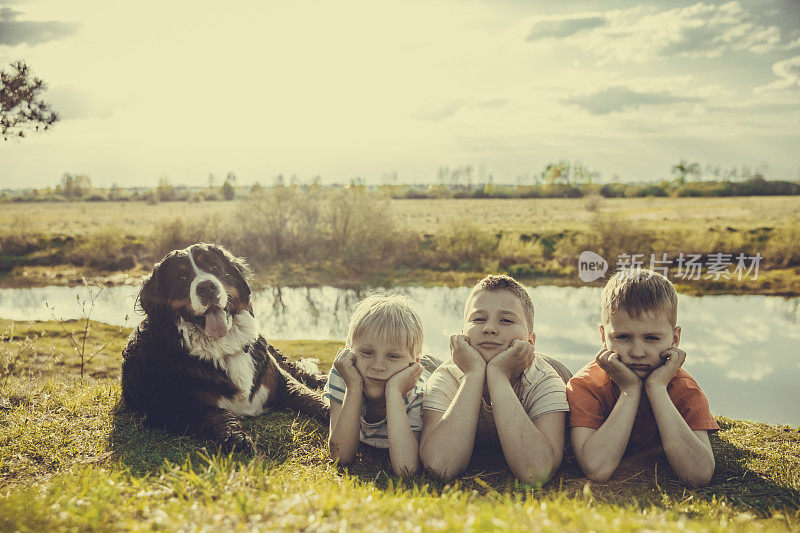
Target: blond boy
{"points": [[496, 388], [635, 396], [375, 385]]}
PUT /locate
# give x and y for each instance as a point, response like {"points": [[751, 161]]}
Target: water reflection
{"points": [[743, 350]]}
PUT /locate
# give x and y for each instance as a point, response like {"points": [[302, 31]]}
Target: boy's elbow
{"points": [[406, 470], [534, 478], [540, 475], [599, 473], [438, 467], [338, 455], [440, 471], [699, 477]]}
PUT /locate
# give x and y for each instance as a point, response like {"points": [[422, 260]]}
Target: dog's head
{"points": [[204, 284]]}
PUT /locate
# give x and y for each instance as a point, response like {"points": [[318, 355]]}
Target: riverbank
{"points": [[777, 282], [733, 245], [68, 460]]}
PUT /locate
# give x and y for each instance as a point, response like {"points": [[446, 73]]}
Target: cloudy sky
{"points": [[345, 89]]}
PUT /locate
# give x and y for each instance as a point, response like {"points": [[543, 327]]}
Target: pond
{"points": [[743, 350]]}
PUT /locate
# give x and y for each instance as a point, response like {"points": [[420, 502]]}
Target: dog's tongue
{"points": [[216, 324]]}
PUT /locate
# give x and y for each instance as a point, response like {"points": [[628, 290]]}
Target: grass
{"points": [[69, 460]]}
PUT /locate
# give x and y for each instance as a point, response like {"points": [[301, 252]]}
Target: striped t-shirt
{"points": [[540, 391], [377, 433]]}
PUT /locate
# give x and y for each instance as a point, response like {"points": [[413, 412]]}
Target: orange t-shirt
{"points": [[592, 395]]}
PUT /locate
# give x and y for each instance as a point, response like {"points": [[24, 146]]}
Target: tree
{"points": [[74, 186], [684, 169], [228, 191], [21, 105], [165, 192]]}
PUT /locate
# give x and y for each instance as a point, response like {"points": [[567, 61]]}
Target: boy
{"points": [[495, 389], [635, 396], [375, 385]]}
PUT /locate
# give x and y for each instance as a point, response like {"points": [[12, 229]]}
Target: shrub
{"points": [[104, 250], [15, 239], [612, 190], [351, 227]]}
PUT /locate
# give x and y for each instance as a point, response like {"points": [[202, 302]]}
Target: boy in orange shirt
{"points": [[635, 396]]}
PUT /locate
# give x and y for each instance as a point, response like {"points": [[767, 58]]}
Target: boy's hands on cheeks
{"points": [[345, 364], [661, 376], [466, 358], [513, 361], [405, 380], [625, 378]]}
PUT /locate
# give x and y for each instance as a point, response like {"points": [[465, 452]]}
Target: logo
{"points": [[591, 266]]}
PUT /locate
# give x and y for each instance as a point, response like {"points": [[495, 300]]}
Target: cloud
{"points": [[621, 98], [445, 110], [641, 34], [73, 103], [493, 103], [441, 111], [561, 27], [788, 73], [14, 32]]}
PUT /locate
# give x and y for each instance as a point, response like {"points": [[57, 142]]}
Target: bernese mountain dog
{"points": [[197, 362]]}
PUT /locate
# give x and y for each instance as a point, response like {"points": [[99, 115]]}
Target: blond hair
{"points": [[638, 291], [494, 282], [392, 317]]}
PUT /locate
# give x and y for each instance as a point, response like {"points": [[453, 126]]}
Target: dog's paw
{"points": [[239, 441]]}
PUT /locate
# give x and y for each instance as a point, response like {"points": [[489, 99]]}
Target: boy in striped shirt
{"points": [[375, 385], [496, 390]]}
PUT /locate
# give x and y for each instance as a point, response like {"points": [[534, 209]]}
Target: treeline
{"points": [[79, 188], [751, 187]]}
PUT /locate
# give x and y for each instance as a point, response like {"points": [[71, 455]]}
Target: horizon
{"points": [[366, 90]]}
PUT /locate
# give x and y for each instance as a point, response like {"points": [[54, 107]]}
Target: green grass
{"points": [[70, 460]]}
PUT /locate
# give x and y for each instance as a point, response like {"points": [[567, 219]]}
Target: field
{"points": [[354, 237], [538, 214], [559, 214], [69, 460]]}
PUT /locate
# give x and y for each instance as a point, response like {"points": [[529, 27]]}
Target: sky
{"points": [[361, 89]]}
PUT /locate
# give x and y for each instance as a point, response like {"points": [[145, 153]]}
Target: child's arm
{"points": [[448, 438], [689, 452], [403, 441], [600, 450], [345, 423], [533, 449]]}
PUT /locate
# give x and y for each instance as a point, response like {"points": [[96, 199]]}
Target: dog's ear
{"points": [[150, 298], [236, 266]]}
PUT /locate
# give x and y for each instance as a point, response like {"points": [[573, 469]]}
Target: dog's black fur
{"points": [[185, 380]]}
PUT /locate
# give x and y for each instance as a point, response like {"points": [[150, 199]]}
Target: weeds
{"points": [[10, 355], [79, 338]]}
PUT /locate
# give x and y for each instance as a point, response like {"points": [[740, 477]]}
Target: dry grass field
{"points": [[429, 216], [556, 214]]}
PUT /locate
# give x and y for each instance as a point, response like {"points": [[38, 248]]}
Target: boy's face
{"points": [[639, 342], [377, 360], [493, 320]]}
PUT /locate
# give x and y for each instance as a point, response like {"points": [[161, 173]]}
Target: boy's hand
{"points": [[345, 364], [624, 377], [661, 376], [405, 380], [513, 361], [466, 358]]}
